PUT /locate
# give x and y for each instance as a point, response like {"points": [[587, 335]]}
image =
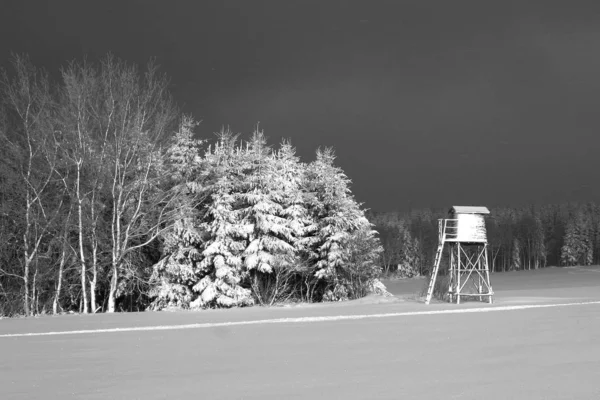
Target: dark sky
{"points": [[427, 103]]}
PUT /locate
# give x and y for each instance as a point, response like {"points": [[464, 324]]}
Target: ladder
{"points": [[436, 267]]}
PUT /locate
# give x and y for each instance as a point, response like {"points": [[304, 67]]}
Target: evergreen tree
{"points": [[274, 208], [271, 239], [288, 179], [337, 217], [226, 231], [174, 276]]}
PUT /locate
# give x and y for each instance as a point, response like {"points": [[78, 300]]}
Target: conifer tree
{"points": [[337, 217], [273, 207], [271, 238], [289, 175], [226, 231], [178, 271]]}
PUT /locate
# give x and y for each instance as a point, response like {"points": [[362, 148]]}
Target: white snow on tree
{"points": [[227, 234], [338, 217], [202, 266], [273, 206], [271, 238], [181, 244], [259, 225]]}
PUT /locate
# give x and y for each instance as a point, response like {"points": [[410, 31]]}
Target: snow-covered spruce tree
{"points": [[201, 264], [226, 230], [340, 226], [178, 270], [289, 193], [272, 206], [296, 203]]}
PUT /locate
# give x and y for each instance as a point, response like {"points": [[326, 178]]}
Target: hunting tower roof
{"points": [[469, 210]]}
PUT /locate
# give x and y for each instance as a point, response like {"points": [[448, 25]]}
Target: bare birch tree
{"points": [[136, 115], [28, 98], [83, 102], [78, 86]]}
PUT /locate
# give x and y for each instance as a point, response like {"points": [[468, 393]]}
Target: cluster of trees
{"points": [[108, 202], [519, 238], [257, 225]]}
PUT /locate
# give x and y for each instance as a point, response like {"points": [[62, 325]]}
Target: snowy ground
{"points": [[388, 351]]}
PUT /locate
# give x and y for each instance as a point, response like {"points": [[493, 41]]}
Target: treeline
{"points": [[519, 238], [108, 202]]}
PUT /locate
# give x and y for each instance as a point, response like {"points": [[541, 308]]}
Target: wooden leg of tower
{"points": [[480, 283], [455, 280], [451, 274], [487, 275], [458, 272]]}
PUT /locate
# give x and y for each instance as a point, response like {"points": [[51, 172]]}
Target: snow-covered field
{"points": [[368, 349]]}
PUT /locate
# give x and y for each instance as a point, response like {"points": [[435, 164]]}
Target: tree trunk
{"points": [[81, 252], [35, 295], [26, 282], [94, 235], [93, 283], [27, 258], [113, 289], [83, 289], [61, 267]]}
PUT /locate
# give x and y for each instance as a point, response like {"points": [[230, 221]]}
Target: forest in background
{"points": [[518, 238], [108, 202]]}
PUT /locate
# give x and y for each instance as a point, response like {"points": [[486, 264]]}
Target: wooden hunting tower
{"points": [[468, 274]]}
